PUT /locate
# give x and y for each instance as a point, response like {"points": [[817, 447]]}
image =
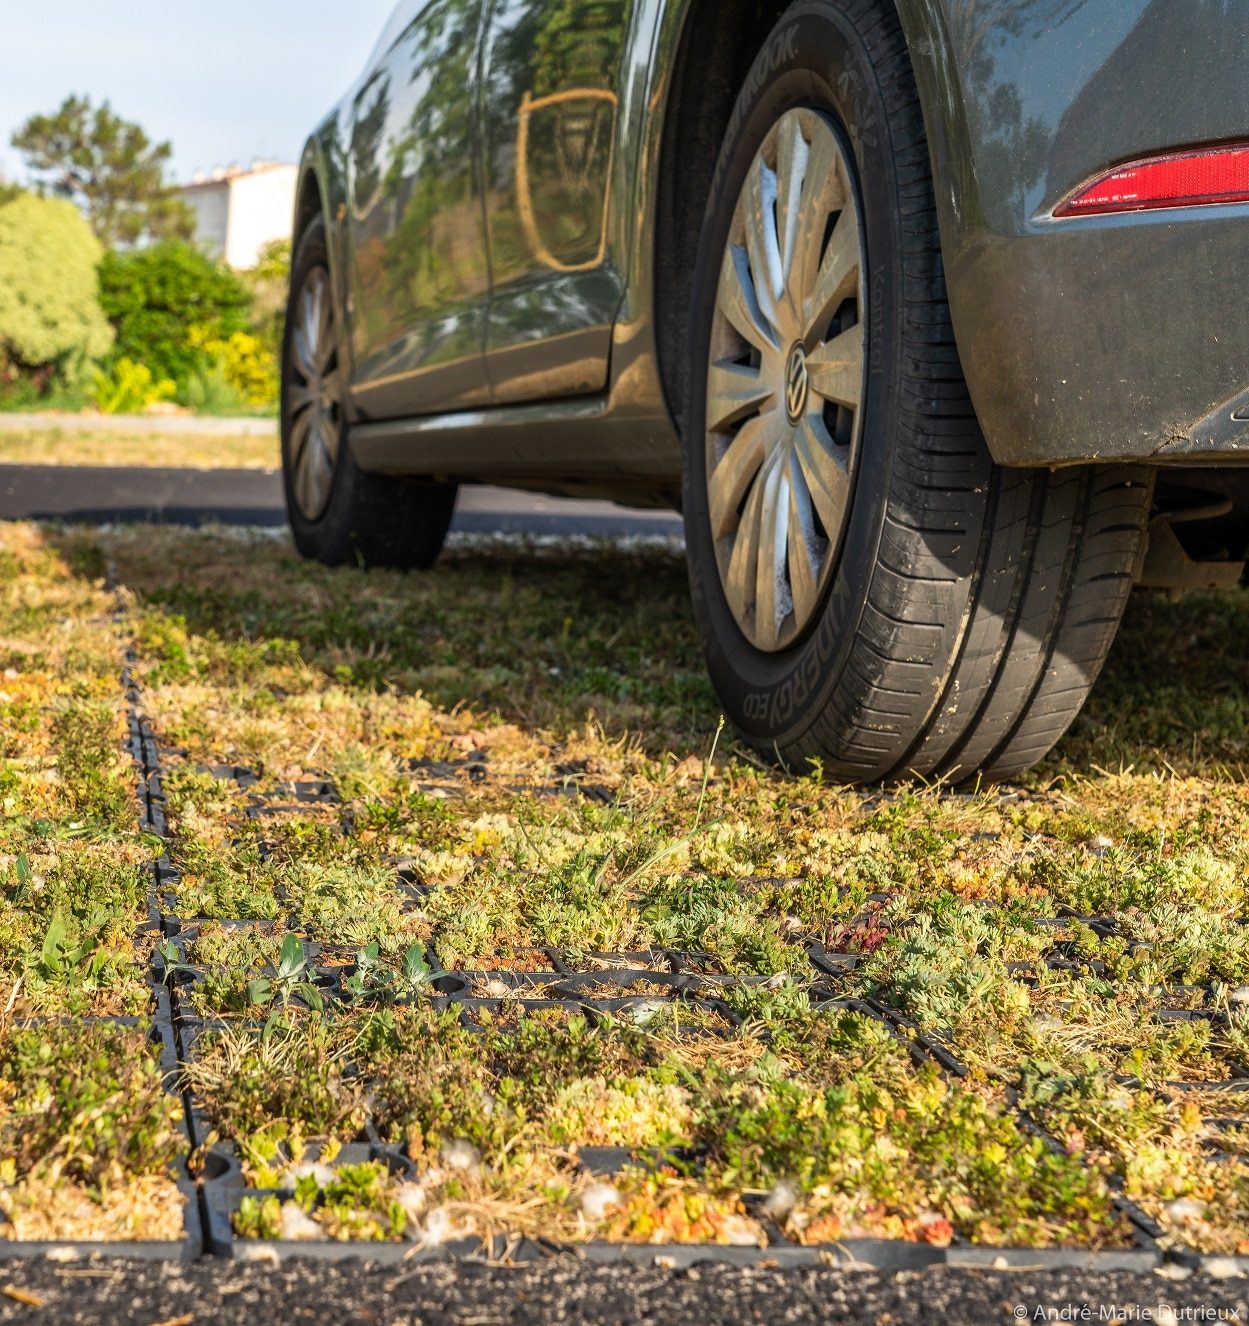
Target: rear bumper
{"points": [[1109, 338]]}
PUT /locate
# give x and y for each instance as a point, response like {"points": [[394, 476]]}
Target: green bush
{"points": [[211, 392], [129, 388], [156, 297], [246, 365], [51, 324], [268, 282]]}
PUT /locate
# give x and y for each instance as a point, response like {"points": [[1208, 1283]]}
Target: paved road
{"points": [[254, 497], [566, 1293]]}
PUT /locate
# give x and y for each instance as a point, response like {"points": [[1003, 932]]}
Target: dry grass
{"points": [[193, 451]]}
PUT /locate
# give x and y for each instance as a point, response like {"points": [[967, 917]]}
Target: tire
{"points": [[337, 512], [965, 609]]}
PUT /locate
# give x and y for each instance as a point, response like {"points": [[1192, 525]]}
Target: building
{"points": [[239, 211]]}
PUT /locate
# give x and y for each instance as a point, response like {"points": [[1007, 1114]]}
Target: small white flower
{"points": [[1185, 1209], [742, 1233], [297, 1225], [1222, 1268], [323, 1173], [597, 1200], [460, 1155], [411, 1199], [780, 1201], [438, 1227], [251, 1252]]}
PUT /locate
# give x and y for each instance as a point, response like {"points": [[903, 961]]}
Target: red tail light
{"points": [[1186, 179]]}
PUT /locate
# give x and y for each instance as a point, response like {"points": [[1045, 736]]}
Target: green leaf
{"points": [[260, 990], [52, 955], [291, 961], [416, 970]]}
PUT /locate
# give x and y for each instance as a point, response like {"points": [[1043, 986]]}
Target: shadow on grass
{"points": [[1174, 692], [546, 636], [541, 636]]}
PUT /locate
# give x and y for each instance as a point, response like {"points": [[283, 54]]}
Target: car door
{"points": [[419, 275], [551, 74]]}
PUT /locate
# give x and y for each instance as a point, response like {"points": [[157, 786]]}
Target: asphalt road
{"points": [[98, 494], [568, 1293]]}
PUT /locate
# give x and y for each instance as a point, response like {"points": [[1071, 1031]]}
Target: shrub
{"points": [[129, 388], [51, 323], [268, 282], [209, 392], [155, 296], [244, 363]]}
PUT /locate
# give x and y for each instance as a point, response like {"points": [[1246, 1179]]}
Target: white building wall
{"points": [[261, 210], [211, 205], [238, 214]]}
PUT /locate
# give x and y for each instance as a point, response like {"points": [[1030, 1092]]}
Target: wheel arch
{"points": [[710, 46], [308, 196], [321, 191]]}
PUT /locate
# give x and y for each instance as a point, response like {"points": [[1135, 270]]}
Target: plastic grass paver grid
{"points": [[418, 902], [665, 975]]}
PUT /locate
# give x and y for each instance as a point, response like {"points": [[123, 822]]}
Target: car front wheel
{"points": [[872, 591]]}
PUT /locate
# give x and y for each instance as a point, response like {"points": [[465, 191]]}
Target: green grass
{"points": [[453, 714]]}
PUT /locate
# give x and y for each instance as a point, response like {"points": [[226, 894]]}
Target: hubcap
{"points": [[314, 397], [785, 380]]}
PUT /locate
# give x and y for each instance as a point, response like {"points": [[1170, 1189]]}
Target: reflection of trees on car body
{"points": [[421, 269]]}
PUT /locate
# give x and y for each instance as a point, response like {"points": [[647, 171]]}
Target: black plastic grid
{"points": [[608, 985]]}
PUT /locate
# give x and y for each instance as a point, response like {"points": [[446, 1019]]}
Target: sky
{"points": [[226, 81]]}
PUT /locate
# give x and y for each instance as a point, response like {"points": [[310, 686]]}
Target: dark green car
{"points": [[926, 313]]}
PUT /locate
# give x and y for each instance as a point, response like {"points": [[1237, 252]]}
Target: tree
{"points": [[51, 323], [109, 167]]}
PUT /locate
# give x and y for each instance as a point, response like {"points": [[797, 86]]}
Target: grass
{"points": [[87, 1131], [462, 776], [194, 451]]}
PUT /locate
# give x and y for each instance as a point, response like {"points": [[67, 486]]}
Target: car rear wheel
{"points": [[337, 512], [872, 591]]}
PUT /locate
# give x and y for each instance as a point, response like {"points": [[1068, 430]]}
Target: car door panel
{"points": [[550, 102], [419, 279]]}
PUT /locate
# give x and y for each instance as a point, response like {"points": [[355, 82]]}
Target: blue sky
{"points": [[225, 81]]}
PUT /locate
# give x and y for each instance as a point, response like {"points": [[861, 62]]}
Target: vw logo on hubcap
{"points": [[797, 384]]}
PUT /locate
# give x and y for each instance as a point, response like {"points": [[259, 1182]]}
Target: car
{"points": [[926, 314]]}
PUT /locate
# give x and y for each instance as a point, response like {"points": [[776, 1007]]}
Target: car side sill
{"points": [[577, 439]]}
